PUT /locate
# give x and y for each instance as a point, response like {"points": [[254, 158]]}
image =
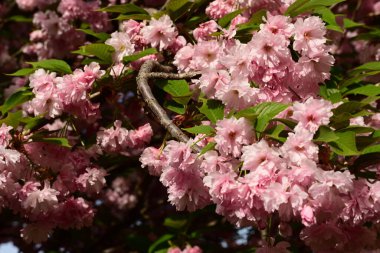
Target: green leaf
{"points": [[203, 129], [369, 66], [345, 144], [275, 133], [159, 241], [212, 109], [208, 147], [325, 134], [52, 65], [302, 6], [101, 36], [371, 149], [174, 223], [226, 19], [329, 17], [22, 72], [174, 107], [101, 51], [19, 18], [368, 90], [135, 57], [124, 9], [133, 16], [34, 123], [12, 119], [349, 23], [16, 99], [263, 113], [54, 140], [178, 8], [178, 89]]}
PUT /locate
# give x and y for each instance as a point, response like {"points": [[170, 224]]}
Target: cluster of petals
{"points": [[118, 139], [187, 249], [245, 74], [69, 93], [249, 180]]}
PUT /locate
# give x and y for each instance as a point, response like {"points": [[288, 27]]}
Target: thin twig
{"points": [[146, 73]]}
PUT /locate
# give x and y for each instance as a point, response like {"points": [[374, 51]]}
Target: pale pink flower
{"points": [[153, 159], [278, 24], [139, 137], [75, 213], [299, 146], [42, 200], [204, 30], [238, 59], [206, 55], [232, 134], [92, 181], [113, 139], [307, 216], [121, 42], [219, 8], [183, 58], [213, 80], [309, 34], [5, 137], [213, 162], [185, 188], [260, 155], [160, 32], [312, 113], [238, 94]]}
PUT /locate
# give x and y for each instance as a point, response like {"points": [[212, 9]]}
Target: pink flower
{"points": [[312, 113], [92, 181], [213, 80], [307, 216], [138, 138], [213, 162], [237, 95], [238, 59], [260, 155], [153, 159], [278, 24], [204, 30], [160, 33], [121, 42], [183, 58], [5, 137], [299, 146], [74, 213], [113, 139], [219, 8], [232, 134], [309, 35], [206, 55], [41, 200], [185, 188]]}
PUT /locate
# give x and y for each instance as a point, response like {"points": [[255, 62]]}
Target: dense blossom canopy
{"points": [[190, 126]]}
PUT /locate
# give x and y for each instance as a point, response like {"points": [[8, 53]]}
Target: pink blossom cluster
{"points": [[118, 139], [56, 35], [242, 75], [41, 183], [219, 8], [119, 195], [250, 180], [188, 249], [134, 37], [69, 93]]}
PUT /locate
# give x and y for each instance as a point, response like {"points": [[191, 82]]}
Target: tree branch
{"points": [[146, 73]]}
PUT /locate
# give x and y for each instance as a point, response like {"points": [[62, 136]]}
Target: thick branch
{"points": [[145, 73]]}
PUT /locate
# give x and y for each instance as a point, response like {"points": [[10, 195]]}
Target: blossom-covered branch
{"points": [[146, 73]]}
